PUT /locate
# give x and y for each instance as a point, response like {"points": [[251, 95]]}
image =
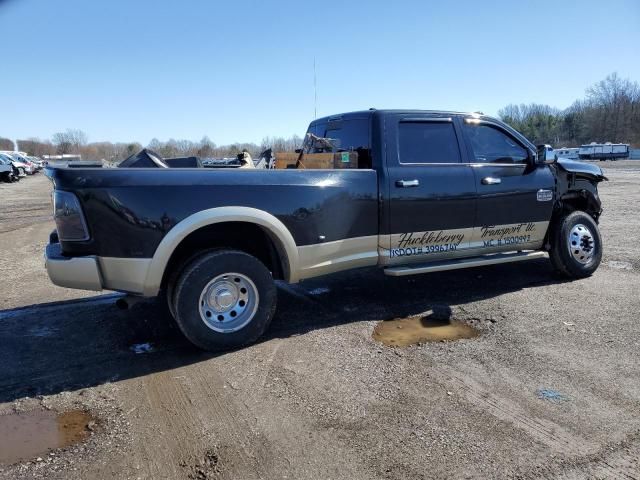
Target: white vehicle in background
{"points": [[29, 167], [570, 153], [604, 151], [6, 170], [38, 162], [8, 160], [21, 167]]}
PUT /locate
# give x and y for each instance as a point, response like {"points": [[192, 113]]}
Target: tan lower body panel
{"points": [[130, 274], [324, 258], [124, 274]]}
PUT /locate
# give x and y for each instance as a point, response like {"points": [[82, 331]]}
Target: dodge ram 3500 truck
{"points": [[433, 191]]}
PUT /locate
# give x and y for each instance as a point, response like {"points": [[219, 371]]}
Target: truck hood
{"points": [[582, 169]]}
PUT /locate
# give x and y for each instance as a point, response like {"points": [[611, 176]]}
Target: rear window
{"points": [[428, 142], [346, 136]]}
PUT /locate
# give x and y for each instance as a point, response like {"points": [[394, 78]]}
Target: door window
{"points": [[490, 145], [428, 142]]}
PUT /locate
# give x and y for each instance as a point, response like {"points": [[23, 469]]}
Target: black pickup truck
{"points": [[433, 191]]}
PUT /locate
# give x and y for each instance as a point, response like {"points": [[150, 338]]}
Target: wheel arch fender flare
{"points": [[277, 230]]}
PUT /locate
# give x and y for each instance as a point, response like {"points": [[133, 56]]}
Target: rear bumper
{"points": [[92, 272], [72, 272]]}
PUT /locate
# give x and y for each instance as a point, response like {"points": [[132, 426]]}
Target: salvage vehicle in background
{"points": [[603, 151], [37, 161], [30, 166], [6, 170], [20, 167], [410, 192]]}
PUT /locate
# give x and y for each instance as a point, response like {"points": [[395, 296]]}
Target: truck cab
{"points": [[451, 185]]}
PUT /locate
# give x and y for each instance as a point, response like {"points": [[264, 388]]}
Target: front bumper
{"points": [[72, 272]]}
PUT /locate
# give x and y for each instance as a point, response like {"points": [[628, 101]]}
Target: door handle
{"points": [[407, 183], [491, 181]]}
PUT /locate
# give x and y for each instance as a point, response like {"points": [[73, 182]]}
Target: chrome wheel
{"points": [[228, 302], [581, 244]]}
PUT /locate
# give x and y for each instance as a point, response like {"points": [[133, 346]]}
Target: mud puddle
{"points": [[26, 436], [402, 332]]}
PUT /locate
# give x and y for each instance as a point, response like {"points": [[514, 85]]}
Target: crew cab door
{"points": [[430, 209], [515, 195]]}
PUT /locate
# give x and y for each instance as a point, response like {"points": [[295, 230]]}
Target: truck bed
{"points": [[141, 205]]}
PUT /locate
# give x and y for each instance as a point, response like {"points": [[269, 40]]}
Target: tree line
{"points": [[74, 141], [610, 112]]}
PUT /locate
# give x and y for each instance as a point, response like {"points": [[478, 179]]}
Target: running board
{"points": [[462, 263]]}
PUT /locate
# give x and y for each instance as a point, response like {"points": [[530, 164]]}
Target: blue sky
{"points": [[241, 70]]}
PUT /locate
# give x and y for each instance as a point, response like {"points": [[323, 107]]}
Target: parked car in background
{"points": [[18, 164], [6, 170], [30, 167], [7, 160], [38, 162]]}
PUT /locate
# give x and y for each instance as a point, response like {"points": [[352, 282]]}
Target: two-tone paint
{"points": [[321, 221]]}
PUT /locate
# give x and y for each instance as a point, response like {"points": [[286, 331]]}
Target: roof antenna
{"points": [[315, 91]]}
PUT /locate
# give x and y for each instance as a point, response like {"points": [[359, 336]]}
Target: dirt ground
{"points": [[549, 389]]}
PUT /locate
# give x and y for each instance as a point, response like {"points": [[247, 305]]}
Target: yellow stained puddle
{"points": [[26, 436], [402, 332]]}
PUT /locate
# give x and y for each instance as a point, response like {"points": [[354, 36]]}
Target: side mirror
{"points": [[298, 150], [546, 155]]}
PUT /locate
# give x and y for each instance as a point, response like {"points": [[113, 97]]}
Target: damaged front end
{"points": [[577, 186], [582, 169]]}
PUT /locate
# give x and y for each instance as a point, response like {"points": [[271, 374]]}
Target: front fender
{"points": [[582, 169]]}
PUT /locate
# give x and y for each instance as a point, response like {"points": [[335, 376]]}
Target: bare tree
{"points": [[609, 113], [206, 147], [35, 146], [6, 144], [535, 121], [69, 141]]}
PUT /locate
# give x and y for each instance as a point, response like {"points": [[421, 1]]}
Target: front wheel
{"points": [[224, 299], [576, 245]]}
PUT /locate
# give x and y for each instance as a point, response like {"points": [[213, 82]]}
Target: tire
{"points": [[169, 292], [576, 245], [224, 299]]}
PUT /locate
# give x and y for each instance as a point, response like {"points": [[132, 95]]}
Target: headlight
{"points": [[68, 216]]}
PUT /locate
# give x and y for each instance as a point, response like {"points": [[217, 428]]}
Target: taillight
{"points": [[68, 216]]}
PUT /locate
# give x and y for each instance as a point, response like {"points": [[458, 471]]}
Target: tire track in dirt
{"points": [[176, 429], [198, 416], [618, 462], [542, 430], [244, 452], [623, 464]]}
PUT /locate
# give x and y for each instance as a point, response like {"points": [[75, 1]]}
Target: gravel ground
{"points": [[549, 389]]}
